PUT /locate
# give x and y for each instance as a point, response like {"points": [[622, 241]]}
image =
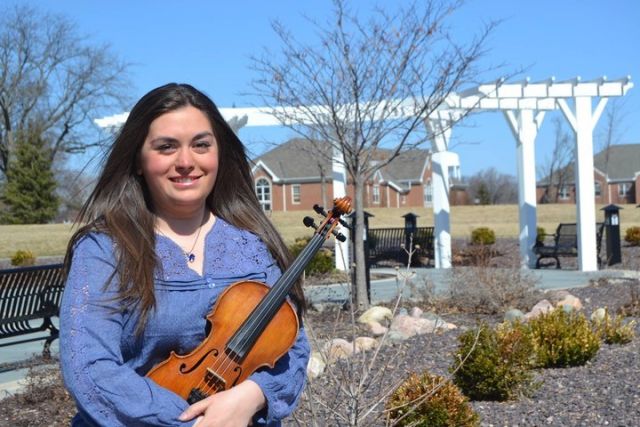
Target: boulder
{"points": [[316, 365], [569, 302], [543, 306], [598, 315], [377, 329], [337, 348], [365, 343], [375, 314], [513, 315]]}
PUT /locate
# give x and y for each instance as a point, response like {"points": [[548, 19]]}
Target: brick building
{"points": [[298, 174], [616, 178]]}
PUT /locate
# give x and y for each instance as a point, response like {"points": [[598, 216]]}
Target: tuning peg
{"points": [[308, 222], [339, 236]]}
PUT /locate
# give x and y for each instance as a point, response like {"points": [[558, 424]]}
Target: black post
{"points": [[612, 225], [410, 228], [367, 264]]}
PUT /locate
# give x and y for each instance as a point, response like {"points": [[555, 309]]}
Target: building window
{"points": [[623, 189], [376, 194], [428, 193], [263, 191], [563, 193], [295, 193], [598, 188]]}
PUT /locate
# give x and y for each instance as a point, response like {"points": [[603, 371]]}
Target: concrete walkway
{"points": [[381, 291]]}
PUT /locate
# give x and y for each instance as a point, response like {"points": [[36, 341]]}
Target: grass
{"points": [[51, 239]]}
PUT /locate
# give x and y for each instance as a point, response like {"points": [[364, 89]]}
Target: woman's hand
{"points": [[231, 408]]}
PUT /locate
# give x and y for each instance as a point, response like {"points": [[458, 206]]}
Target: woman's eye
{"points": [[165, 148], [202, 146]]}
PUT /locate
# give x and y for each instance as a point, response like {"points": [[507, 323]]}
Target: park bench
{"points": [[29, 299], [565, 243], [386, 244]]}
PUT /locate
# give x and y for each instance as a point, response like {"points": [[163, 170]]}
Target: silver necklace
{"points": [[189, 255]]}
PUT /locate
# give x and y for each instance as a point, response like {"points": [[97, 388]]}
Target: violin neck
{"points": [[246, 336]]}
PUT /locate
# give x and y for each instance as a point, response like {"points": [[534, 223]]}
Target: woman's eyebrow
{"points": [[164, 139]]}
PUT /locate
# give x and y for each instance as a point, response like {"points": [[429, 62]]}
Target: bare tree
{"points": [[367, 84], [50, 76], [556, 170], [493, 188]]}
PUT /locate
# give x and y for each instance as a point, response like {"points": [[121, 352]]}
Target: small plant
{"points": [[483, 236], [632, 236], [612, 331], [321, 263], [430, 400], [489, 290], [540, 235], [23, 258], [495, 363], [563, 339]]}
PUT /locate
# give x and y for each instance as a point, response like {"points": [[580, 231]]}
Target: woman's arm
{"points": [[91, 325]]}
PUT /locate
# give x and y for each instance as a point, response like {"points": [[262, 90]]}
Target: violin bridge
{"points": [[214, 380]]}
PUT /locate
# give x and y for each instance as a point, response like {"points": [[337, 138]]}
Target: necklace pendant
{"points": [[191, 257]]}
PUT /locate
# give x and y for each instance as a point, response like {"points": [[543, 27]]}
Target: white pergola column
{"points": [[439, 128], [339, 175], [525, 125], [583, 120]]}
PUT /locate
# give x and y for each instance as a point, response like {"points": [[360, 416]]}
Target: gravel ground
{"points": [[606, 391]]}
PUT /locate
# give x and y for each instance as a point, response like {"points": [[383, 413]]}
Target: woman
{"points": [[173, 221]]}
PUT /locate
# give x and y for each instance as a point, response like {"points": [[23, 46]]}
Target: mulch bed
{"points": [[606, 391]]}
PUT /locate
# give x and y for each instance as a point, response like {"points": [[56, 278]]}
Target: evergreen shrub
{"points": [[563, 338], [632, 236], [23, 258], [483, 236], [430, 400], [495, 363]]}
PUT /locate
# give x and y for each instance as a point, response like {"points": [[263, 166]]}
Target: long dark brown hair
{"points": [[120, 205]]}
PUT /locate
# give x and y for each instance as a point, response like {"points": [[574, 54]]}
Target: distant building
{"points": [[298, 174], [616, 178]]}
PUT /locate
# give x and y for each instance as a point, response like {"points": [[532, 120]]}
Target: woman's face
{"points": [[179, 161]]}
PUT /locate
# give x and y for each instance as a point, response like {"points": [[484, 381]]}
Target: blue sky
{"points": [[208, 44]]}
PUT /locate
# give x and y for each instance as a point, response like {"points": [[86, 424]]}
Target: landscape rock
{"points": [[543, 306], [569, 302], [338, 348], [316, 365], [377, 329], [513, 315], [365, 343], [375, 314]]}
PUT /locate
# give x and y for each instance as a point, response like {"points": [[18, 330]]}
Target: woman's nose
{"points": [[184, 159]]}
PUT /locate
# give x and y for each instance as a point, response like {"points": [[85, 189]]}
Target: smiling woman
{"points": [[172, 222]]}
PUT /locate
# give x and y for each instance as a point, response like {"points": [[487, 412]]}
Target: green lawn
{"points": [[51, 239]]}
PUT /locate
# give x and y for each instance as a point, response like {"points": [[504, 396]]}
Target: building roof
{"points": [[619, 162], [301, 160]]}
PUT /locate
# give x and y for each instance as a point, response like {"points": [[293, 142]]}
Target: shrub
{"points": [[430, 400], [490, 290], [23, 258], [540, 235], [321, 263], [612, 331], [563, 338], [498, 365], [632, 236], [483, 236]]}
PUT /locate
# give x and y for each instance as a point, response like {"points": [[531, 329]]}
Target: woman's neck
{"points": [[182, 225]]}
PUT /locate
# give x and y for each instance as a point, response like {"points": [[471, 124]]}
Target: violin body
{"points": [[252, 325], [211, 368]]}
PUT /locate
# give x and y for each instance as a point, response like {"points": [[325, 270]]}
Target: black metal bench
{"points": [[29, 298], [565, 243], [385, 244]]}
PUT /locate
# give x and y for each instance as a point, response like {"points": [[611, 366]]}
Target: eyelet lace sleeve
{"points": [[106, 391]]}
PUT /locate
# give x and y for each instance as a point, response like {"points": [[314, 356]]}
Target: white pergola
{"points": [[524, 105]]}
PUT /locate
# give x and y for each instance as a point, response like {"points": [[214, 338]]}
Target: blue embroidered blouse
{"points": [[104, 361]]}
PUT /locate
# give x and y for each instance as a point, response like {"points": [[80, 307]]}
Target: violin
{"points": [[252, 325]]}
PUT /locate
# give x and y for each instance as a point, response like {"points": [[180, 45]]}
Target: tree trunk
{"points": [[360, 286]]}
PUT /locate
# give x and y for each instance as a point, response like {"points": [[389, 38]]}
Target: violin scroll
{"points": [[341, 207]]}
